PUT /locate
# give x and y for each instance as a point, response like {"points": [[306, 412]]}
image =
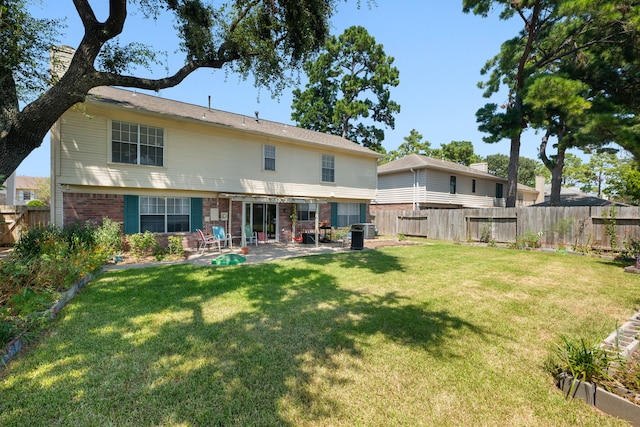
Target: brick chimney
{"points": [[59, 60], [540, 181]]}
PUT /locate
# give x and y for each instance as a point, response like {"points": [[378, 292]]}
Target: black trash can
{"points": [[357, 237]]}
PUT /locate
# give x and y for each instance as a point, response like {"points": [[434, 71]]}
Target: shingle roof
{"points": [[27, 182], [581, 200], [416, 161], [167, 107]]}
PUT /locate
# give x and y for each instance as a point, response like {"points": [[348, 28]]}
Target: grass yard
{"points": [[435, 335]]}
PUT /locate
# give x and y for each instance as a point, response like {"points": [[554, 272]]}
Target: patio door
{"points": [[262, 217]]}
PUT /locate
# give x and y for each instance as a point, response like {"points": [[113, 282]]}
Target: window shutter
{"points": [[131, 215], [363, 213], [196, 213], [334, 214]]}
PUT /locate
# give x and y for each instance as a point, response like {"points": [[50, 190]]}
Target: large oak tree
{"points": [[265, 38]]}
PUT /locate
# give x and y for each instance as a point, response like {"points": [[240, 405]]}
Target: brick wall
{"points": [[84, 207]]}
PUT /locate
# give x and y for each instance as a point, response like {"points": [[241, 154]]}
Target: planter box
{"points": [[16, 345], [605, 401]]}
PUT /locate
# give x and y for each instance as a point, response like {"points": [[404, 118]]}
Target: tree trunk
{"points": [[555, 166], [512, 177]]}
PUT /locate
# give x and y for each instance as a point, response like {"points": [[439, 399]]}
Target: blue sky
{"points": [[438, 49]]}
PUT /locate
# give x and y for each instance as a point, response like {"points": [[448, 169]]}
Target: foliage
{"points": [[28, 301], [609, 218], [585, 361], [348, 90], [562, 45], [36, 203], [142, 243], [528, 240], [265, 39], [460, 152], [8, 332], [623, 183], [498, 164], [109, 236], [175, 245], [43, 190], [486, 233], [413, 144], [631, 247]]}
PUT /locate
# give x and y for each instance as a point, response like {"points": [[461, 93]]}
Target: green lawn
{"points": [[438, 334]]}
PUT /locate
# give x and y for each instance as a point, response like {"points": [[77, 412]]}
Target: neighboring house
{"points": [[19, 190], [170, 167], [26, 187], [417, 182]]}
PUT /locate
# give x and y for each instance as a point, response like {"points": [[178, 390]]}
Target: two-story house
{"points": [[417, 182], [171, 167]]}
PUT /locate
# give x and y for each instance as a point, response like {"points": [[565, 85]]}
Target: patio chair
{"points": [[262, 238], [207, 241], [250, 235], [225, 238]]}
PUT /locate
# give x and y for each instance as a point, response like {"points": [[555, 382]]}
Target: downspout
{"points": [[415, 186]]}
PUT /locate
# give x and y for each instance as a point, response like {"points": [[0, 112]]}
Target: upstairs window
{"points": [[452, 185], [269, 158], [136, 144], [328, 168], [499, 194]]}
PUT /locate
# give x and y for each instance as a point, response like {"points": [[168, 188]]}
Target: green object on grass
{"points": [[229, 259]]}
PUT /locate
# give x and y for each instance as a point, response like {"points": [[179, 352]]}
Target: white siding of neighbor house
{"points": [[432, 187], [203, 158]]}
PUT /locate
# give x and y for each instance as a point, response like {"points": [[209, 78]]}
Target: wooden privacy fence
{"points": [[14, 218], [581, 226]]}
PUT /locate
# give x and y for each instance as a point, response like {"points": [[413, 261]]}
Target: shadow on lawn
{"points": [[247, 345]]}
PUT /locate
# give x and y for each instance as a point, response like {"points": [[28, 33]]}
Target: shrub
{"points": [[109, 236], [528, 240], [585, 361], [142, 243], [7, 332], [36, 203], [175, 245]]}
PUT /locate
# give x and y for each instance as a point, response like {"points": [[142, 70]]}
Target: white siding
{"points": [[432, 188], [396, 188], [206, 159]]}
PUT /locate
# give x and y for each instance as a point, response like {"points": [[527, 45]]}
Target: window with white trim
{"points": [[328, 168], [269, 152], [136, 144], [164, 214], [348, 213], [26, 195], [306, 211]]}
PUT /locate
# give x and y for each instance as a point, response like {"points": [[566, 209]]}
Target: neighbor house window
{"points": [[498, 191], [269, 158], [348, 213], [473, 185], [164, 214], [328, 168], [306, 211], [136, 144], [26, 195], [452, 185]]}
